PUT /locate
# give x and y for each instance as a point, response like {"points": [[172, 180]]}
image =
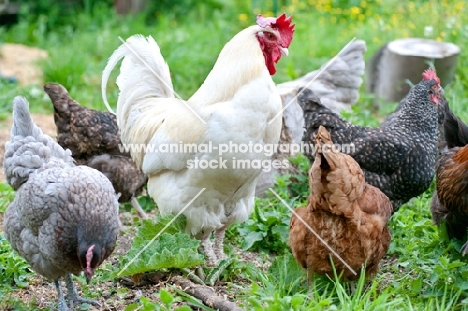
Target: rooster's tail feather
{"points": [[28, 149], [143, 73]]}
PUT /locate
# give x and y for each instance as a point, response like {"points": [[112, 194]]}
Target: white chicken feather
{"points": [[236, 104]]}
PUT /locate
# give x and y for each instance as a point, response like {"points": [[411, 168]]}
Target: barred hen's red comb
{"points": [[282, 24], [430, 74]]}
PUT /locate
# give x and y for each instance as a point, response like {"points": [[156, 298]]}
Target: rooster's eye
{"points": [[271, 36]]}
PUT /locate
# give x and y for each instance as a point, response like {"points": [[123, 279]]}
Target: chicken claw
{"points": [[73, 297], [218, 243], [211, 260]]}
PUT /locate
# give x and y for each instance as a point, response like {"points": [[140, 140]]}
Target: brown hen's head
{"points": [[275, 38]]}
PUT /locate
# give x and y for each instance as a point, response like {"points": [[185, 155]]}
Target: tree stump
{"points": [[405, 59], [129, 6]]}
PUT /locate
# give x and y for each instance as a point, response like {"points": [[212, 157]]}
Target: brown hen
{"points": [[350, 215], [450, 201], [94, 140]]}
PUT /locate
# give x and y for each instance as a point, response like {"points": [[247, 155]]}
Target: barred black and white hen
{"points": [[399, 158]]}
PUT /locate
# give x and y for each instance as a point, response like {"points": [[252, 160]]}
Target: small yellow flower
{"points": [[355, 10], [242, 17], [363, 4]]}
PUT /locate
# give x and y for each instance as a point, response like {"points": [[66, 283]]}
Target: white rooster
{"points": [[237, 104]]}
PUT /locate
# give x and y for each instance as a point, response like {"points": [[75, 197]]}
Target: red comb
{"points": [[282, 24], [430, 74]]}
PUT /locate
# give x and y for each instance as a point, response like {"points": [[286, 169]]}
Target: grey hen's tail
{"points": [[29, 149]]}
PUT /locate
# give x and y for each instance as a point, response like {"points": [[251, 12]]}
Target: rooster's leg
{"points": [[72, 294], [138, 208], [207, 246], [218, 243], [62, 306]]}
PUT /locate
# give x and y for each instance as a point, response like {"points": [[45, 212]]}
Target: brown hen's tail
{"points": [[336, 178], [62, 103], [455, 131]]}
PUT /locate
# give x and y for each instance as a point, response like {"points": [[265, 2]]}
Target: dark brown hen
{"points": [[94, 140], [350, 215], [450, 201], [399, 158]]}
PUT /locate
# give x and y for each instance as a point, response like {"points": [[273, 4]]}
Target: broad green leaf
{"points": [[152, 250]]}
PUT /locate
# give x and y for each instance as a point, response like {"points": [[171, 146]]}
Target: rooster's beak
{"points": [[284, 51]]}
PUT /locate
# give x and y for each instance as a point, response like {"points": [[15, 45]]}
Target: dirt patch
{"points": [[20, 61], [44, 121], [115, 295]]}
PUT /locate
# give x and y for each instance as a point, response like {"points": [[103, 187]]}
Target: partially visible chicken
{"points": [[455, 131], [350, 215], [399, 158], [337, 85], [450, 200], [94, 140], [64, 218], [237, 104]]}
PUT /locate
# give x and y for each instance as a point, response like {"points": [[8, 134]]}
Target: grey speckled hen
{"points": [[399, 158], [64, 218]]}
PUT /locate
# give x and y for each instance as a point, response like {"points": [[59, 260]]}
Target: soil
{"points": [[20, 61], [44, 121], [116, 295]]}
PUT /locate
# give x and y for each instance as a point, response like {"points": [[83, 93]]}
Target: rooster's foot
{"points": [[218, 243], [210, 256], [73, 297]]}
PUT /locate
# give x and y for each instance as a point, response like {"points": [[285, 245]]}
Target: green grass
{"points": [[427, 274]]}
